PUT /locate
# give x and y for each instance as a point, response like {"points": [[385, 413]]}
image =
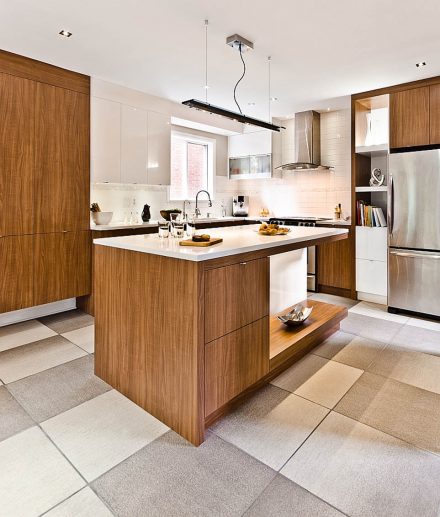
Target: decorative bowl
{"points": [[297, 316], [102, 217], [166, 214]]}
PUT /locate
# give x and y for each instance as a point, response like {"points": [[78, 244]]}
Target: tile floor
{"points": [[351, 429]]}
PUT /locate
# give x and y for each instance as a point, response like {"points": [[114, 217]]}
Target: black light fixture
{"points": [[65, 33], [242, 45], [421, 64]]}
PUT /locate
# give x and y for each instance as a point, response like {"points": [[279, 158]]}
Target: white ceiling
{"points": [[320, 50]]}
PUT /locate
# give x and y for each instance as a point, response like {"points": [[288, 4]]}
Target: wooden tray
{"points": [[190, 242]]}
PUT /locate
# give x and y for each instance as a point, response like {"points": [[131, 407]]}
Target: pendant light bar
{"points": [[232, 115]]}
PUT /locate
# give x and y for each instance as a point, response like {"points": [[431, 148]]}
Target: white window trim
{"points": [[211, 143]]}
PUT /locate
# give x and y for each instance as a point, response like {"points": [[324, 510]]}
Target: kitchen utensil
{"points": [[296, 316], [102, 217]]}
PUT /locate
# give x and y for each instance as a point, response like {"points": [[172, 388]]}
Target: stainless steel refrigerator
{"points": [[414, 232]]}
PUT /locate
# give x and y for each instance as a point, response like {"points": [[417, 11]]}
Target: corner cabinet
{"points": [[159, 149]]}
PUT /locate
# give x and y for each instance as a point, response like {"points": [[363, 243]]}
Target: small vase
{"points": [[146, 215]]}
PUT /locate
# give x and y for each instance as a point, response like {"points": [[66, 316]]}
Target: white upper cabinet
{"points": [[134, 147], [105, 141], [250, 144], [159, 149]]}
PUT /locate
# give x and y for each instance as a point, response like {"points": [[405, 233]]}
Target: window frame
{"points": [[190, 138]]}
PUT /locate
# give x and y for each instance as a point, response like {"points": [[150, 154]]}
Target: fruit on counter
{"points": [[273, 229], [201, 238], [94, 207]]}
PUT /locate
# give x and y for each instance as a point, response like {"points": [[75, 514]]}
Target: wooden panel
{"points": [[16, 278], [28, 68], [235, 295], [62, 266], [149, 334], [409, 118], [434, 114], [62, 185], [286, 342], [397, 88], [335, 262], [235, 362], [16, 155]]}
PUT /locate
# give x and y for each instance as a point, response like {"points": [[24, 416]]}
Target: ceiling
{"points": [[321, 51]]}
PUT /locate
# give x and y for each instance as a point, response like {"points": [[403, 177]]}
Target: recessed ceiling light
{"points": [[252, 103], [273, 99], [422, 63], [328, 109], [65, 33]]}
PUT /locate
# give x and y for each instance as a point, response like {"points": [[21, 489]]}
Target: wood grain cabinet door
{"points": [[235, 296], [62, 266], [434, 114], [16, 277], [235, 362], [62, 185], [409, 118], [16, 155]]}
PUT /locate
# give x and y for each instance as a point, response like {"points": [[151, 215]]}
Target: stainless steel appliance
{"points": [[414, 232], [240, 206], [311, 250]]}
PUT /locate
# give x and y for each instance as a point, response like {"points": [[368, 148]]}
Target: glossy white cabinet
{"points": [[159, 149], [371, 243], [134, 154], [249, 144], [105, 141], [371, 261]]}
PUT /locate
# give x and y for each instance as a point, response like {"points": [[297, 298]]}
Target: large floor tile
{"points": [[370, 328], [299, 373], [375, 310], [328, 385], [365, 472], [284, 498], [349, 349], [415, 368], [59, 389], [171, 477], [84, 503], [34, 476], [35, 357], [13, 418], [424, 323], [83, 337], [102, 432], [20, 334], [406, 412], [418, 339], [335, 300], [271, 426], [67, 321]]}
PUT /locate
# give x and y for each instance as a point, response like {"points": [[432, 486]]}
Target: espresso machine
{"points": [[240, 206]]}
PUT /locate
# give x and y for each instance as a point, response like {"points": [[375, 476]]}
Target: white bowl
{"points": [[102, 217]]}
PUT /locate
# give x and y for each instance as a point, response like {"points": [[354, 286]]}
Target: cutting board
{"points": [[190, 242]]}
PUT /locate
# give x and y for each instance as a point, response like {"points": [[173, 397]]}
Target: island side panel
{"points": [[149, 342]]}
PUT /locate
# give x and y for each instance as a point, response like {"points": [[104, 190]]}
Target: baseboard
{"points": [[8, 318], [373, 298]]}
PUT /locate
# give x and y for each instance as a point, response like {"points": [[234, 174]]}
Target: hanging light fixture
{"points": [[242, 45]]}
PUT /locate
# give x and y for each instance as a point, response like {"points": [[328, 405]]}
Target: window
{"points": [[192, 160]]}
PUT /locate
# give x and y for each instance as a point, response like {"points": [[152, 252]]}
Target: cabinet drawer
{"points": [[371, 277], [235, 362], [235, 296], [371, 243]]}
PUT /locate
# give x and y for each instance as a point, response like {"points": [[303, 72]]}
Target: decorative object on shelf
{"points": [[297, 316], [146, 214], [166, 214], [377, 178]]}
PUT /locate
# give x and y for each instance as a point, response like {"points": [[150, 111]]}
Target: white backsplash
{"points": [[295, 193]]}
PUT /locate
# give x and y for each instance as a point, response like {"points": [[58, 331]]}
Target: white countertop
{"points": [[236, 240]]}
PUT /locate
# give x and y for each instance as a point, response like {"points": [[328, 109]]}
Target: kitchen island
{"points": [[187, 333]]}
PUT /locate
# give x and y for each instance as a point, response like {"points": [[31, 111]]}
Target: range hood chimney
{"points": [[307, 143]]}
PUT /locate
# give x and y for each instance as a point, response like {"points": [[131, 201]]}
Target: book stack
{"points": [[367, 215]]}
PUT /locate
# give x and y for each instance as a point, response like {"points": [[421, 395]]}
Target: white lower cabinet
{"points": [[371, 261]]}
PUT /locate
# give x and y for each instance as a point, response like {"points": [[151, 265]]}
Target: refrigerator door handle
{"points": [[391, 207], [424, 255]]}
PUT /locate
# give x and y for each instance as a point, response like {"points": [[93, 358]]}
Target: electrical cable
{"points": [[237, 83]]}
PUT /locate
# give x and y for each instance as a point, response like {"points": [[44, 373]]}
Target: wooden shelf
{"points": [[382, 188], [287, 344], [372, 150]]}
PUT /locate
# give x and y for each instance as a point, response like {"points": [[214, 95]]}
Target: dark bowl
{"points": [[166, 214]]}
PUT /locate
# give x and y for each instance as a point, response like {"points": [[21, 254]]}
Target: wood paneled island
{"points": [[187, 333]]}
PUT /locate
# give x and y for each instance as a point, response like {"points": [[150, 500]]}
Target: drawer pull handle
{"points": [[243, 263]]}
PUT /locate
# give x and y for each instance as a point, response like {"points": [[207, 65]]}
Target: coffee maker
{"points": [[240, 206]]}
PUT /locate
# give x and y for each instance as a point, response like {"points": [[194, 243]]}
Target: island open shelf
{"points": [[187, 334]]}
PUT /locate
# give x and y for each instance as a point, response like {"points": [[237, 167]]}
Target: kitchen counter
{"points": [[236, 241]]}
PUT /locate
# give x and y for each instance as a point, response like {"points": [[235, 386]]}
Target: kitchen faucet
{"points": [[198, 213]]}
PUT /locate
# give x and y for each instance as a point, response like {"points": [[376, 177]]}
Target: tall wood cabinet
{"points": [[44, 183]]}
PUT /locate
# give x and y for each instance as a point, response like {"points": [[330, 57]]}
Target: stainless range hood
{"points": [[307, 143]]}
